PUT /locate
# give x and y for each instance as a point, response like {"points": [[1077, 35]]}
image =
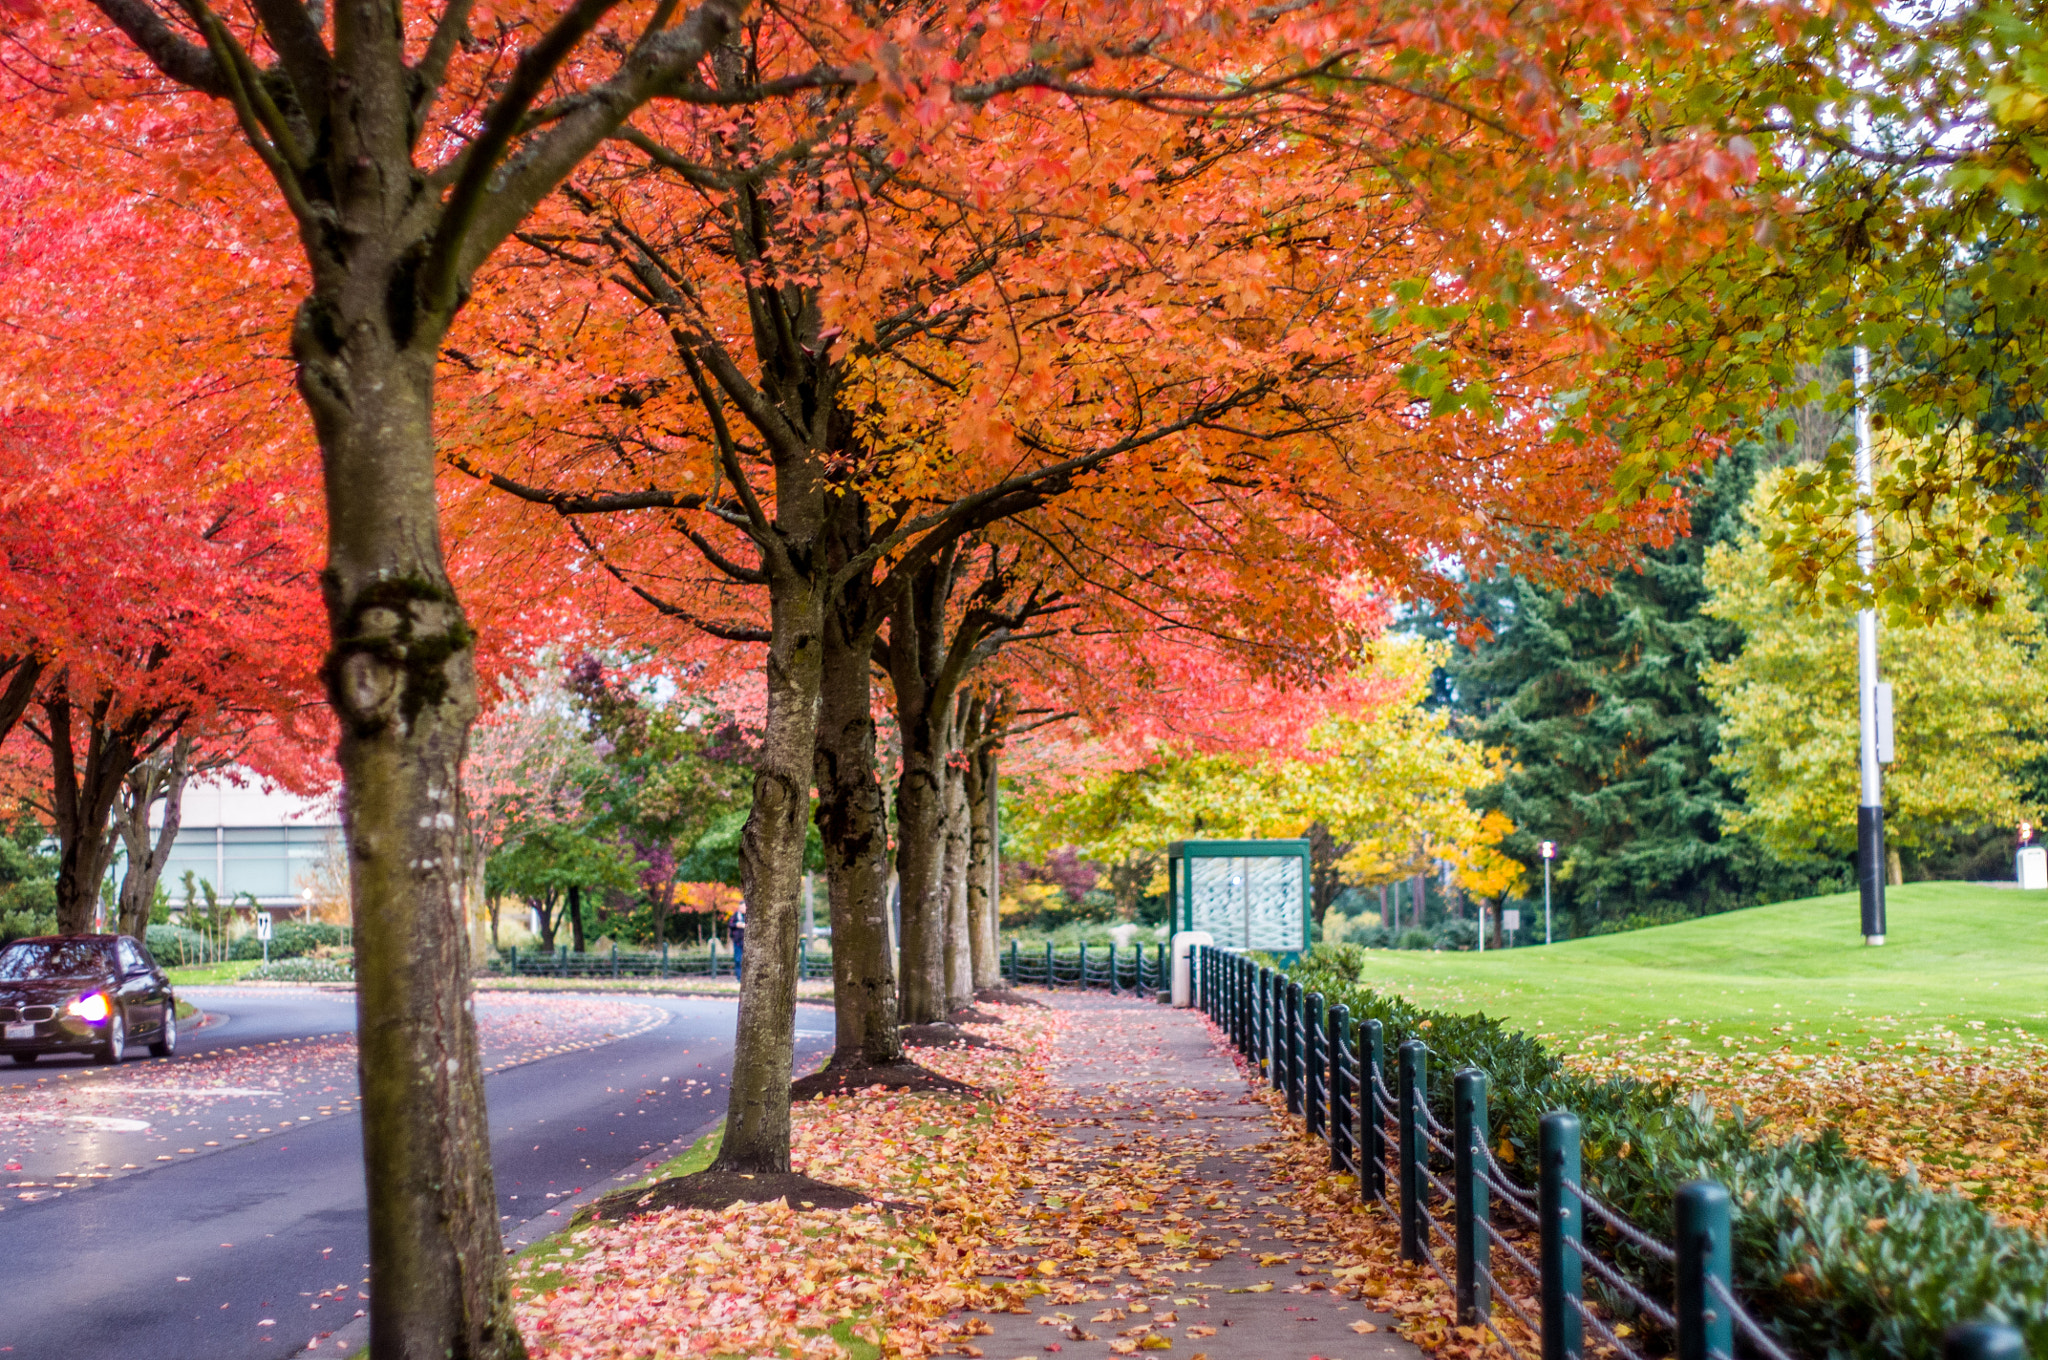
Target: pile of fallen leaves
{"points": [[1963, 1117], [775, 1280]]}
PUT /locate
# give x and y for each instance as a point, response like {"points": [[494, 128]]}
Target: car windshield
{"points": [[27, 960]]}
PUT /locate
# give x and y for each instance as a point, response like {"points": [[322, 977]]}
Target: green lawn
{"points": [[198, 974], [1959, 962]]}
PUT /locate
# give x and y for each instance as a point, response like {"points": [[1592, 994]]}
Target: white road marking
{"points": [[101, 1122], [194, 1092]]}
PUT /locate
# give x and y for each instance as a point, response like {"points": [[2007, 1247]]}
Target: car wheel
{"points": [[116, 1043], [24, 1058], [166, 1041]]}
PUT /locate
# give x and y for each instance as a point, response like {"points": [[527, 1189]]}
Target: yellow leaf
{"points": [[1362, 1327]]}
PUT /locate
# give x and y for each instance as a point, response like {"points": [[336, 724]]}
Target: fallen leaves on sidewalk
{"points": [[769, 1280]]}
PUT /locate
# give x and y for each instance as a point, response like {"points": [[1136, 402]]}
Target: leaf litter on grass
{"points": [[1960, 1113]]}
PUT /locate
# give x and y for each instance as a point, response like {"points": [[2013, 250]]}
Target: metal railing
{"points": [[563, 962], [1334, 1074], [1138, 968]]}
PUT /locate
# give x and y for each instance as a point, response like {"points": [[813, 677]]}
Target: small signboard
{"points": [[263, 926], [1511, 919], [1244, 894]]}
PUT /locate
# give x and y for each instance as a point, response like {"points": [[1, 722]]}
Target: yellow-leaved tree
{"points": [[1386, 786], [1968, 699]]}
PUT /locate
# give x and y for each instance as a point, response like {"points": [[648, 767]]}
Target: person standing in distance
{"points": [[738, 931]]}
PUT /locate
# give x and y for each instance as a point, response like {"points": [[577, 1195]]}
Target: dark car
{"points": [[84, 994]]}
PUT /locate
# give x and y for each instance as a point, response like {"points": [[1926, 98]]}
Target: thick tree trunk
{"points": [[575, 910], [401, 678], [982, 927], [161, 779], [82, 800], [772, 868], [920, 865], [855, 829], [959, 939]]}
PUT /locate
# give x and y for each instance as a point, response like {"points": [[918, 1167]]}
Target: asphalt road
{"points": [[253, 1249]]}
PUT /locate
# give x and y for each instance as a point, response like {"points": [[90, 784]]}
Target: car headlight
{"points": [[92, 1007]]}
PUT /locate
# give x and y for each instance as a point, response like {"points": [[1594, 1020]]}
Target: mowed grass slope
{"points": [[1959, 962]]}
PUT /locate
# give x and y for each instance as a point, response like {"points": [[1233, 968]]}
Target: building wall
{"points": [[242, 839]]}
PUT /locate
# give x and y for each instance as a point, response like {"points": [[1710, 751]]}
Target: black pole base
{"points": [[1870, 870]]}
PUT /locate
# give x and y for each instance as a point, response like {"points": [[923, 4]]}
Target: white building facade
{"points": [[243, 839]]}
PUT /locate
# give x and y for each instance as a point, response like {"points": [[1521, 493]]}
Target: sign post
{"points": [[263, 934], [1549, 854], [1511, 921], [1872, 696]]}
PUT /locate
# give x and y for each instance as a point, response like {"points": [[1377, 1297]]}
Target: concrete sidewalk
{"points": [[1158, 1226]]}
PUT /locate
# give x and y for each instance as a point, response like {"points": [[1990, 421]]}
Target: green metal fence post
{"points": [[1289, 1051], [1048, 963], [1240, 983], [1559, 1222], [1014, 979], [1343, 1114], [515, 960], [661, 971], [1372, 1182], [1983, 1341], [615, 960], [1226, 992], [1475, 1249], [1112, 968], [1082, 978], [803, 959], [1705, 1328], [1313, 1070], [1413, 1097], [1274, 983]]}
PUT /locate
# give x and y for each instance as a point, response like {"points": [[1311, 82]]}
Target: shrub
{"points": [[174, 945], [1457, 934], [291, 940], [1844, 1260], [19, 925], [302, 970], [1415, 937]]}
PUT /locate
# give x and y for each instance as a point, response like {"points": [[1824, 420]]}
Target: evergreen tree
{"points": [[1597, 698]]}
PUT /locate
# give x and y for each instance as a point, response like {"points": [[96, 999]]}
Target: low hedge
{"points": [[1838, 1257], [290, 940], [302, 970]]}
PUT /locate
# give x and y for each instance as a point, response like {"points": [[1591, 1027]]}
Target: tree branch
{"points": [[188, 63], [580, 502], [731, 632]]}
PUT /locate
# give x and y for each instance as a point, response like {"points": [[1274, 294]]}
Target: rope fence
{"points": [[1137, 969], [1335, 1075], [714, 961]]}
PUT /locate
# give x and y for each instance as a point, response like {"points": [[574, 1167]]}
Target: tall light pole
{"points": [[1549, 854], [1870, 857]]}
